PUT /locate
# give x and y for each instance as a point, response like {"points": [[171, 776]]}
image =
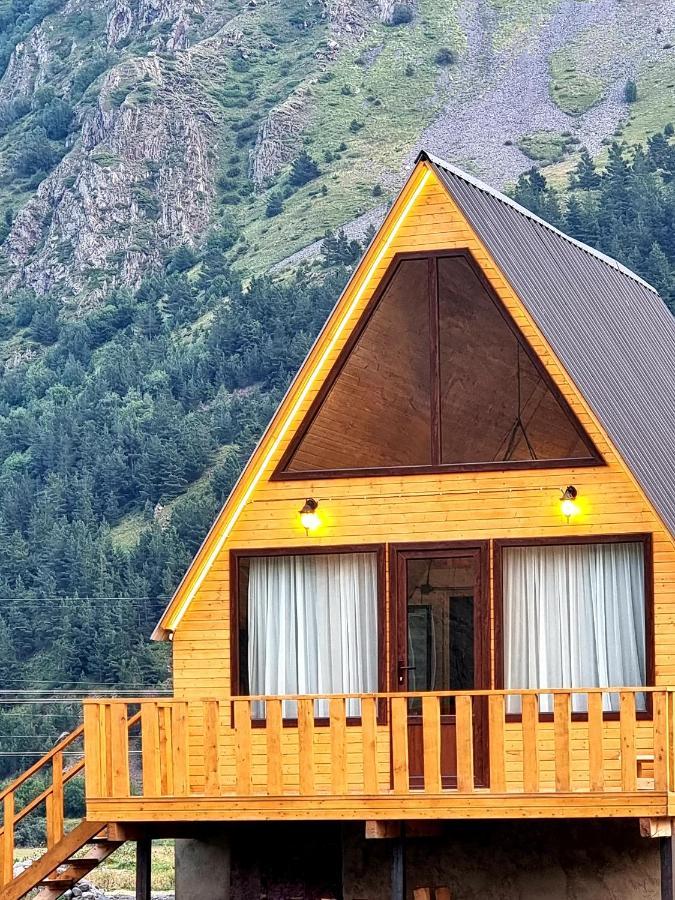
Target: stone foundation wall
{"points": [[593, 860]]}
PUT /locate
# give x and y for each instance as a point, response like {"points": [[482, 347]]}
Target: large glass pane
{"points": [[308, 625], [495, 404], [377, 413], [574, 617], [440, 616]]}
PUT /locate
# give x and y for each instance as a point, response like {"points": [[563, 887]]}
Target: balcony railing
{"points": [[467, 754]]}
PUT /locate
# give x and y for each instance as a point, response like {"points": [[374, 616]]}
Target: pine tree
{"points": [[304, 169], [585, 175]]}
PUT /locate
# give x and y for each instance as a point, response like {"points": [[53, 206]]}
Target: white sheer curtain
{"points": [[574, 617], [312, 626]]}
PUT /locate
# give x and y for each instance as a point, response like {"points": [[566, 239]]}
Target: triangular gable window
{"points": [[436, 377]]}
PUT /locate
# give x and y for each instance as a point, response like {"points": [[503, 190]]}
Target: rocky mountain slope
{"points": [[132, 126]]}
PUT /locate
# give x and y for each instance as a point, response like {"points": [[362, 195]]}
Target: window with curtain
{"points": [[574, 617], [308, 625]]}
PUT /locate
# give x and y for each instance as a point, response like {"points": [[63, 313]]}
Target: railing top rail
{"points": [[69, 739], [384, 695]]}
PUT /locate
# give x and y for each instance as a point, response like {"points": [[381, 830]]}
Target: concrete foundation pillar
{"points": [[203, 866]]}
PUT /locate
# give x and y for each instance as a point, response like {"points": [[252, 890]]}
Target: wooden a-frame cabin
{"points": [[437, 608]]}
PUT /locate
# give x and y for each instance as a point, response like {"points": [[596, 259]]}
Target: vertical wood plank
{"points": [[180, 747], [464, 738], [8, 838], [561, 728], [211, 740], [627, 730], [106, 749], [306, 745], [49, 820], [119, 743], [431, 737], [596, 755], [92, 750], [399, 744], [150, 752], [338, 748], [530, 716], [242, 745], [57, 797], [660, 741], [496, 743], [369, 743], [274, 724]]}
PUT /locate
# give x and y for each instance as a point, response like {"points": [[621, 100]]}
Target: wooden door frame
{"points": [[398, 555]]}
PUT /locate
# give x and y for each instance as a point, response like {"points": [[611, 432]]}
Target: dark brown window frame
{"points": [[644, 538], [282, 474], [236, 555]]}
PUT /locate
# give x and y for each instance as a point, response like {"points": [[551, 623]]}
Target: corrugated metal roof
{"points": [[609, 328]]}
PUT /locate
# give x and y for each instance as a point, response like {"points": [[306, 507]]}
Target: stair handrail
{"points": [[55, 806]]}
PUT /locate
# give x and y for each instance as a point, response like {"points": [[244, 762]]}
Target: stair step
{"points": [[62, 883]]}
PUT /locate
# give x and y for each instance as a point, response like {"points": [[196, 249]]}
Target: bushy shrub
{"points": [[401, 14], [275, 205], [445, 57], [630, 92], [34, 153], [56, 119]]}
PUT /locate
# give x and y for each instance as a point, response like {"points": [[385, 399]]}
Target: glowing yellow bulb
{"points": [[569, 508], [567, 505], [309, 517]]}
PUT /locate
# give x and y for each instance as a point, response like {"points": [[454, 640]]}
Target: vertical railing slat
{"points": [[530, 724], [92, 748], [8, 838], [57, 797], [399, 744], [306, 746], [274, 725], [180, 748], [496, 743], [464, 737], [242, 745], [119, 744], [431, 736], [211, 745], [660, 741], [338, 746], [596, 754], [627, 732], [150, 750], [106, 749], [561, 728], [369, 739]]}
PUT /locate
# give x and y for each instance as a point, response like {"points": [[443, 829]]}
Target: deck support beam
{"points": [[398, 873], [143, 868], [667, 849]]}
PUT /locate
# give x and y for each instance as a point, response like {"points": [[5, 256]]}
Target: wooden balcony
{"points": [[483, 754]]}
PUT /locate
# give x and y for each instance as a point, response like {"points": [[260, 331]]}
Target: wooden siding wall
{"points": [[448, 507]]}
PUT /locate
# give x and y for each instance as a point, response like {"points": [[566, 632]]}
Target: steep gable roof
{"points": [[608, 327]]}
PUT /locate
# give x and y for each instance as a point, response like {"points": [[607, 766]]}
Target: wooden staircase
{"points": [[60, 867]]}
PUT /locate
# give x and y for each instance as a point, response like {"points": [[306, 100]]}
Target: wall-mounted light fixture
{"points": [[309, 517], [568, 505]]}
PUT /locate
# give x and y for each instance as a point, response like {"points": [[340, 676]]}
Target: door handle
{"points": [[402, 669]]}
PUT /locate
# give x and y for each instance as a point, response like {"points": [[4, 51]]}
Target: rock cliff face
{"points": [[27, 68], [138, 179], [182, 112], [280, 135], [133, 16]]}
